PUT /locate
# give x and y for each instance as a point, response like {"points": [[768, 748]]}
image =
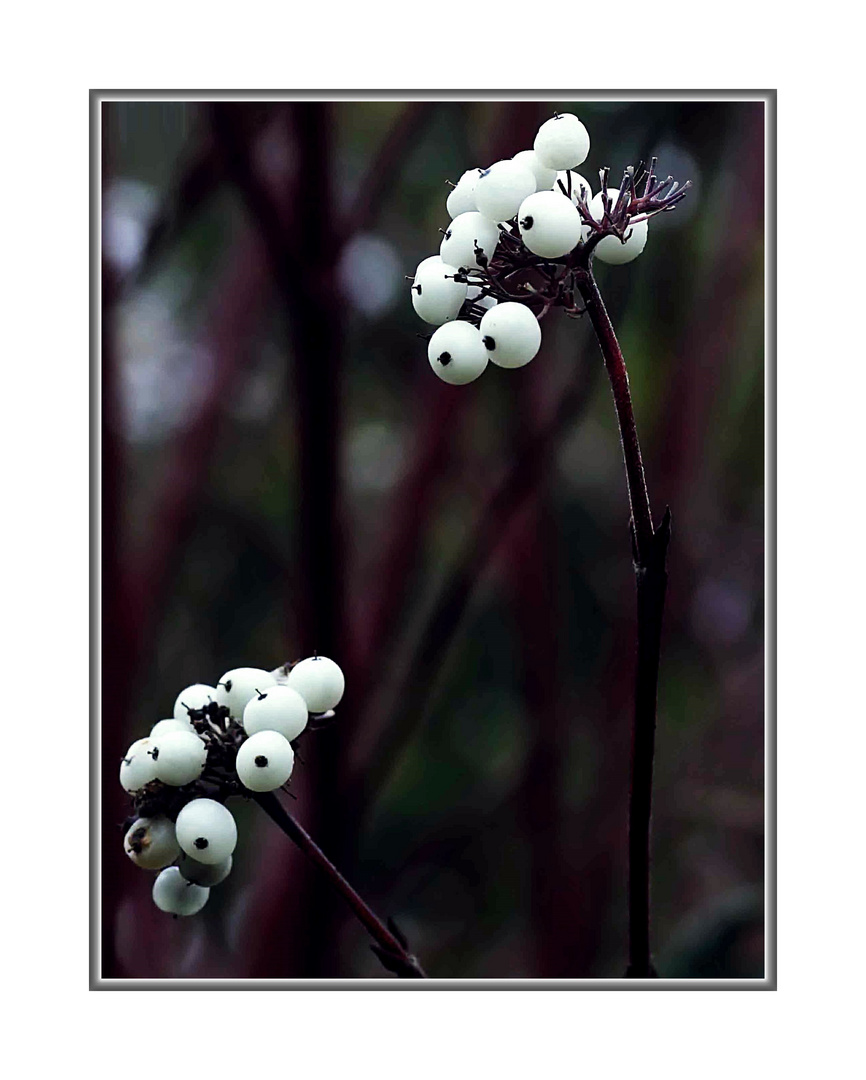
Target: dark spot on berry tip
{"points": [[154, 753], [139, 833], [448, 234], [417, 289], [201, 842], [526, 223], [483, 172], [261, 761], [488, 343], [228, 685], [444, 358]]}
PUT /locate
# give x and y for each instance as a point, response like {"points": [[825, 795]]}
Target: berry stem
{"points": [[649, 551], [390, 950]]}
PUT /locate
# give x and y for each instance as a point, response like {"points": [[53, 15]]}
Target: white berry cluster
{"points": [[530, 214], [232, 738]]}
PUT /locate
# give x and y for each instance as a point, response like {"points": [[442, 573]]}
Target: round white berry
{"points": [[177, 896], [474, 295], [179, 757], [163, 727], [579, 185], [511, 334], [502, 188], [436, 296], [461, 200], [317, 679], [431, 260], [562, 142], [137, 767], [611, 249], [466, 233], [151, 842], [206, 831], [265, 761], [193, 697], [201, 874], [457, 354], [544, 178], [240, 685], [549, 224], [279, 709]]}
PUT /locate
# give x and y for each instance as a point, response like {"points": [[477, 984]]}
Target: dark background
{"points": [[283, 473]]}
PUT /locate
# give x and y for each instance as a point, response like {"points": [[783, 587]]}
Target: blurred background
{"points": [[283, 473]]}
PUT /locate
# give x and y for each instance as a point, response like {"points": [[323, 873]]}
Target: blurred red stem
{"points": [[650, 563], [379, 179], [374, 756], [389, 948]]}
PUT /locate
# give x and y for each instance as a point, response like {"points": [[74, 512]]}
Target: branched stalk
{"points": [[390, 945], [649, 550]]}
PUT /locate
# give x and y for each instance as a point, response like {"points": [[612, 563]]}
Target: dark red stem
{"points": [[650, 563], [390, 949]]}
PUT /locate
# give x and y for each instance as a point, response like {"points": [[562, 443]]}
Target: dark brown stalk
{"points": [[649, 548], [390, 945]]}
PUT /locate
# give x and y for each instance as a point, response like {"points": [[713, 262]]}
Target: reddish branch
{"points": [[650, 563], [391, 947]]}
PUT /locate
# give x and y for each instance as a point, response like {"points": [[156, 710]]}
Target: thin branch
{"points": [[649, 547], [390, 945], [618, 375]]}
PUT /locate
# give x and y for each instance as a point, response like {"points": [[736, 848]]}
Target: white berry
{"points": [[436, 296], [502, 188], [177, 896], [457, 354], [463, 235], [179, 757], [279, 709], [474, 294], [201, 874], [544, 178], [137, 767], [562, 142], [265, 761], [193, 697], [163, 727], [431, 260], [240, 685], [549, 224], [318, 680], [151, 842], [207, 831], [579, 184], [511, 334], [611, 250], [461, 200]]}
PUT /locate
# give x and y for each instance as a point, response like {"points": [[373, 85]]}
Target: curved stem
{"points": [[613, 360], [650, 564], [390, 947]]}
